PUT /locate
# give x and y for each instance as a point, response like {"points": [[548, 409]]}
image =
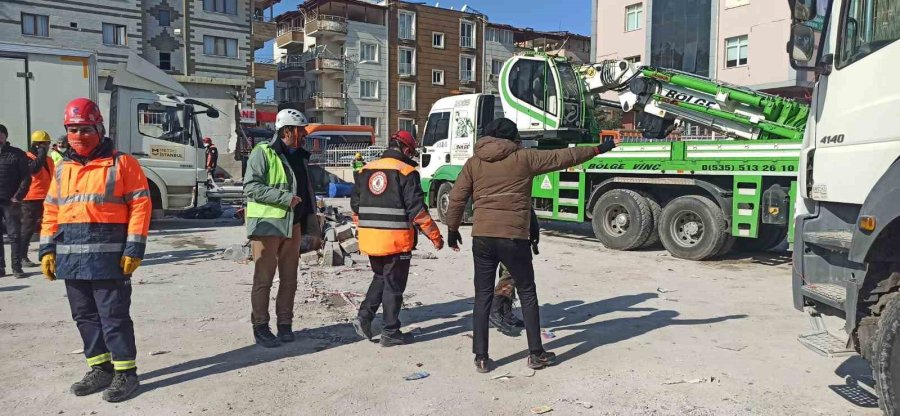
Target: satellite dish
{"points": [[464, 8]]}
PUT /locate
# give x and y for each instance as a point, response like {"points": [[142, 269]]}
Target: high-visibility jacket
{"points": [[40, 181], [56, 155], [389, 203], [96, 211]]}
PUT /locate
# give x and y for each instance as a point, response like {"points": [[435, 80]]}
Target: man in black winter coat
{"points": [[15, 179]]}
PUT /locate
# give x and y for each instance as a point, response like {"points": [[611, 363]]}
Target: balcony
{"points": [[326, 25], [333, 66], [325, 101], [262, 32], [289, 37], [264, 4], [466, 76], [264, 70], [291, 68]]}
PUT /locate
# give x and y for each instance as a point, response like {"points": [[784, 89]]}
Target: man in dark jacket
{"points": [[15, 179], [498, 179]]}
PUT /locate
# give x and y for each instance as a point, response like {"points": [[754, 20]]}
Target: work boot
{"points": [[399, 338], [2, 272], [285, 333], [363, 328], [264, 336], [539, 361], [29, 263], [95, 380], [484, 365], [19, 274], [124, 384], [498, 321]]}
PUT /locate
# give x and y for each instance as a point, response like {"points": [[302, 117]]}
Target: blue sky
{"points": [[536, 14]]}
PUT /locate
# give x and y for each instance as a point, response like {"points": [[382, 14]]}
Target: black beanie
{"points": [[502, 128], [3, 130]]}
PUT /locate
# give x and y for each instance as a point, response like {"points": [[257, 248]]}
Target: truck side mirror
{"points": [[803, 10], [802, 46], [212, 113]]}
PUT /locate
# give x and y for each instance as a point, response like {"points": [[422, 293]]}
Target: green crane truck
{"points": [[698, 198]]}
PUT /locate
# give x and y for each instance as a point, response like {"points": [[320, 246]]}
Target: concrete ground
{"points": [[637, 333]]}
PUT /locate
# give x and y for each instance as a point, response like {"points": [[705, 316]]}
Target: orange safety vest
{"points": [[40, 182], [384, 226], [94, 214]]}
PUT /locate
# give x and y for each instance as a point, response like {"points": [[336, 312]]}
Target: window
{"points": [[506, 37], [436, 129], [368, 89], [633, 59], [496, 66], [407, 61], [466, 68], [369, 121], [437, 40], [680, 40], [406, 97], [216, 46], [165, 61], [437, 76], [528, 83], [467, 34], [368, 52], [220, 6], [35, 25], [406, 25], [164, 17], [736, 51], [634, 14], [499, 35], [113, 34], [867, 26], [160, 123], [408, 124], [343, 121]]}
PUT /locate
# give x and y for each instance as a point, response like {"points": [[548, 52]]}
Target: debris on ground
{"points": [[160, 352], [503, 377], [539, 410], [78, 351], [417, 376], [548, 334], [732, 347], [528, 372], [208, 211], [661, 290], [692, 381], [238, 252]]}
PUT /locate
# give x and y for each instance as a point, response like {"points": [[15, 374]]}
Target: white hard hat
{"points": [[290, 117]]}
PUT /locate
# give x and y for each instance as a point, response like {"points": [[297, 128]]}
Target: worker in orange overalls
{"points": [[94, 233], [41, 166], [388, 204]]}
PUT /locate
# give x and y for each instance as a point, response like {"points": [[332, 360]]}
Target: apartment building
{"points": [[332, 58], [433, 53], [206, 45], [571, 45], [735, 41], [499, 46]]}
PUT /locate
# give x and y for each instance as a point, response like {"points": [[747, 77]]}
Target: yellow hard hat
{"points": [[40, 136], [358, 155]]}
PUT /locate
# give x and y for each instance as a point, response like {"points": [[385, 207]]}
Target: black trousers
{"points": [[102, 311], [488, 252], [386, 290], [11, 215], [32, 212]]}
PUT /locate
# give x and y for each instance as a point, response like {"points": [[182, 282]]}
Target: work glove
{"points": [[534, 233], [48, 266], [129, 265], [454, 238]]}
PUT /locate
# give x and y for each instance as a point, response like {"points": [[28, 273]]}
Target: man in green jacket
{"points": [[280, 207]]}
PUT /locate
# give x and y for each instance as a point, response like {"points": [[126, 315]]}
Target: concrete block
{"points": [[350, 245], [310, 258], [348, 261], [333, 255], [331, 235], [344, 232]]}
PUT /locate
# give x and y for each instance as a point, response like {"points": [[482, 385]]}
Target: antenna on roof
{"points": [[464, 8]]}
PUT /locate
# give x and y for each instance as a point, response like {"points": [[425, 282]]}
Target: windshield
{"points": [[867, 26], [569, 82]]}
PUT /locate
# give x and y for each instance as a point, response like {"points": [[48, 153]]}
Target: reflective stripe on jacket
{"points": [[269, 185], [40, 181], [384, 225], [94, 214]]}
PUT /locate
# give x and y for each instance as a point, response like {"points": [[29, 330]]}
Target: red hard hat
{"points": [[82, 111], [406, 138], [207, 140]]}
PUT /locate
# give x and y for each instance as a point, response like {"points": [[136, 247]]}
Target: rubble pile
{"points": [[339, 234]]}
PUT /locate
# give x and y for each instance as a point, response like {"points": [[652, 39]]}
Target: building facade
{"points": [[499, 46], [735, 41], [206, 45]]}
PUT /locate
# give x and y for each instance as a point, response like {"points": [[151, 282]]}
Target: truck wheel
{"points": [[727, 246], [443, 200], [655, 212], [886, 363], [622, 219], [692, 227], [768, 237]]}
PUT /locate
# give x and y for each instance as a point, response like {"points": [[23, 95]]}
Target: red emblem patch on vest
{"points": [[378, 183]]}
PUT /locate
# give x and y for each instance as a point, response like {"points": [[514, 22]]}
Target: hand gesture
{"points": [[295, 201]]}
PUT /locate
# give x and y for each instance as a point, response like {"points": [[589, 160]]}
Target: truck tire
{"points": [[655, 212], [768, 237], [443, 200], [692, 227], [622, 219], [886, 362], [727, 246]]}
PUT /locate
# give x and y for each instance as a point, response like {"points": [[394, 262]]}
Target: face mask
{"points": [[83, 145]]}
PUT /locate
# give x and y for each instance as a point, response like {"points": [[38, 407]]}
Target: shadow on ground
{"points": [[165, 257], [858, 383], [13, 288]]}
